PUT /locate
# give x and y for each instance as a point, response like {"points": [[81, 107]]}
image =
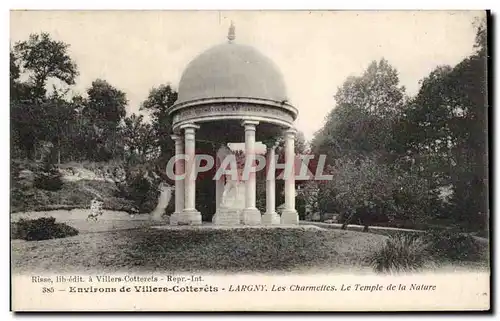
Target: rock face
{"points": [[163, 201]]}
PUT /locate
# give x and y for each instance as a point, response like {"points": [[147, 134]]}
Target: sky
{"points": [[315, 50]]}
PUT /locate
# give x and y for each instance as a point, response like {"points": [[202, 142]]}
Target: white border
{"points": [[194, 5]]}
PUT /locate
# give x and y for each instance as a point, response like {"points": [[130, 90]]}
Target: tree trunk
{"points": [[348, 221]]}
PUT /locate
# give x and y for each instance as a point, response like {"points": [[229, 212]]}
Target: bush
{"points": [[43, 228], [48, 178], [454, 246], [141, 190], [401, 252]]}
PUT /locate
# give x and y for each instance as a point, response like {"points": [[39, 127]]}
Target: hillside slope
{"points": [[80, 186]]}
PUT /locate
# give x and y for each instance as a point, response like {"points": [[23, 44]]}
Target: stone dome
{"points": [[231, 70]]}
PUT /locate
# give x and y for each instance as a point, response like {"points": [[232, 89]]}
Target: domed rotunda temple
{"points": [[232, 93]]}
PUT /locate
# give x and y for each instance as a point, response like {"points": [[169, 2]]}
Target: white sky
{"points": [[315, 51]]}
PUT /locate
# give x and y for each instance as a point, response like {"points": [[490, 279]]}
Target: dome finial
{"points": [[231, 34]]}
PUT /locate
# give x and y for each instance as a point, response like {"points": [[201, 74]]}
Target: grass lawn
{"points": [[237, 250]]}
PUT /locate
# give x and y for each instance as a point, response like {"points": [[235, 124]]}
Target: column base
{"points": [[251, 216], [289, 217], [270, 218], [174, 218], [189, 217]]}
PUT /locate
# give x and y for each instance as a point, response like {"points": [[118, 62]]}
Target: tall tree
{"points": [[159, 100], [139, 138], [105, 103], [447, 123], [103, 111], [43, 58], [366, 108]]}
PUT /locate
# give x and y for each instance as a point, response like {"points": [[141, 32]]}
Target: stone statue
{"points": [[230, 191], [163, 201]]}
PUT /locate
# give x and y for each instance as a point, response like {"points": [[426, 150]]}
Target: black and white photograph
{"points": [[249, 160]]}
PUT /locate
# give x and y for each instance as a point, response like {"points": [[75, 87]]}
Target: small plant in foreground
{"points": [[43, 228], [400, 253]]}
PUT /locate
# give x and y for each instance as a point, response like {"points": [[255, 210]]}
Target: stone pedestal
{"points": [[271, 218], [251, 216], [226, 216], [189, 217], [174, 218], [289, 217]]}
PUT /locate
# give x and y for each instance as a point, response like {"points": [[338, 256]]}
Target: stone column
{"points": [[290, 215], [219, 183], [190, 215], [179, 183], [271, 217], [250, 215]]}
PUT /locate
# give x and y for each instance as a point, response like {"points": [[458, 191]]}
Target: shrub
{"points": [[140, 189], [43, 228], [454, 246], [401, 252], [48, 178]]}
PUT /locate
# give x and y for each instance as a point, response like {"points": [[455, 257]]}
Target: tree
{"points": [[159, 100], [369, 191], [103, 111], [15, 71], [26, 128], [139, 137], [43, 58], [366, 108], [105, 104], [446, 125]]}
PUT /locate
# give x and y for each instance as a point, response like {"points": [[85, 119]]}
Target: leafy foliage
{"points": [[308, 199], [43, 58], [366, 108], [141, 187], [369, 191], [444, 129], [454, 246], [48, 179], [401, 253], [105, 104], [139, 139], [43, 228], [159, 100], [394, 155]]}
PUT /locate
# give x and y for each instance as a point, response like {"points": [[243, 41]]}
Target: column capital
{"points": [[290, 132], [176, 137], [249, 124], [190, 126]]}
